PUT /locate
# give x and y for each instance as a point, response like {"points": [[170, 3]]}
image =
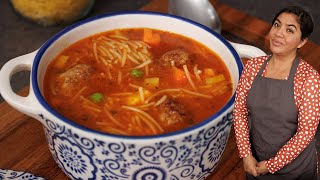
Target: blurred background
{"points": [[266, 10]]}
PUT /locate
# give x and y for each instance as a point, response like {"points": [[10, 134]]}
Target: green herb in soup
{"points": [[137, 82]]}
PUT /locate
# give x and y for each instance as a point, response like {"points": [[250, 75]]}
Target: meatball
{"points": [[172, 112], [177, 57], [69, 82]]}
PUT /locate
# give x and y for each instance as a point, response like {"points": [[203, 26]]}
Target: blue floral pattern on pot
{"points": [[193, 156], [6, 174]]}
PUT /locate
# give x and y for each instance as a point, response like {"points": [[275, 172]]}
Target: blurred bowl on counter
{"points": [[52, 12]]}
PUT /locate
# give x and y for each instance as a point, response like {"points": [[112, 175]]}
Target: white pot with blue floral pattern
{"points": [[82, 153]]}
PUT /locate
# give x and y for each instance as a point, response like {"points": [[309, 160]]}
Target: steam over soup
{"points": [[137, 82]]}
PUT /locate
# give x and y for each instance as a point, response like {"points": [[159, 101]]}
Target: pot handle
{"points": [[26, 105], [247, 51]]}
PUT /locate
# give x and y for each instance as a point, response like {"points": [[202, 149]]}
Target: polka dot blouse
{"points": [[307, 100]]}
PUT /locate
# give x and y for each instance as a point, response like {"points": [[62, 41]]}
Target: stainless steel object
{"points": [[197, 10], [203, 12]]}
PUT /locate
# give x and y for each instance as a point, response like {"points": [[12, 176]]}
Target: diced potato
{"points": [[152, 82], [135, 98], [61, 61], [207, 86], [208, 72], [220, 91], [146, 93], [215, 79]]}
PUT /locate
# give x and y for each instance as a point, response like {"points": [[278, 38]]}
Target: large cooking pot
{"points": [[82, 153]]}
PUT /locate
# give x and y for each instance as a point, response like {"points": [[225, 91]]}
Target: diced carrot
{"points": [[179, 75], [147, 35], [150, 37], [155, 39]]}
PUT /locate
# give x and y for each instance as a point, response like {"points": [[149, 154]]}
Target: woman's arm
{"points": [[308, 119], [240, 112]]}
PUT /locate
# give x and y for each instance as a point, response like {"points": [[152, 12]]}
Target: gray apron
{"points": [[273, 120]]}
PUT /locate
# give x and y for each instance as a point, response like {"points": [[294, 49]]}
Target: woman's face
{"points": [[285, 34]]}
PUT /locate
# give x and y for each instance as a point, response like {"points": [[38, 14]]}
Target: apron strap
{"points": [[293, 69], [263, 66]]}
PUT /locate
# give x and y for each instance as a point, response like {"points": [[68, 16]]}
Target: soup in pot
{"points": [[137, 82]]}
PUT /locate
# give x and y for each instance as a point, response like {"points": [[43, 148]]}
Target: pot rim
{"points": [[47, 107]]}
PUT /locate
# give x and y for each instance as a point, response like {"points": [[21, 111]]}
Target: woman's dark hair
{"points": [[304, 19]]}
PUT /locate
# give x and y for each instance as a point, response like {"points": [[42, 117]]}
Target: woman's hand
{"points": [[250, 164], [261, 168]]}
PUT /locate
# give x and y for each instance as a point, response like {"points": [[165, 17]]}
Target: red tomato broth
{"points": [[76, 108]]}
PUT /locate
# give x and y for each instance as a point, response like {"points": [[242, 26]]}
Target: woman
{"points": [[276, 110]]}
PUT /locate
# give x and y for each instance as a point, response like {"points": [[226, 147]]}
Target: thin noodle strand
{"points": [[91, 108], [107, 106], [145, 44], [116, 131], [138, 121], [141, 94], [124, 57], [107, 52], [134, 86], [104, 61], [88, 102], [186, 71], [112, 118], [146, 105], [145, 115], [196, 94], [118, 37], [142, 57], [149, 124], [134, 53], [115, 53], [160, 92], [142, 65], [108, 39], [132, 45], [132, 59], [138, 44], [122, 94], [109, 44], [119, 77], [78, 94], [196, 74], [161, 100], [101, 51], [109, 73]]}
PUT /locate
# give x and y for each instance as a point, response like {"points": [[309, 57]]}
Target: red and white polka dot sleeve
{"points": [[240, 112], [307, 96]]}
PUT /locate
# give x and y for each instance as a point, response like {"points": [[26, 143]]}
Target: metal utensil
{"points": [[204, 13], [198, 10]]}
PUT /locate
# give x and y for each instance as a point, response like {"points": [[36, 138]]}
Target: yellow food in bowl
{"points": [[50, 12]]}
